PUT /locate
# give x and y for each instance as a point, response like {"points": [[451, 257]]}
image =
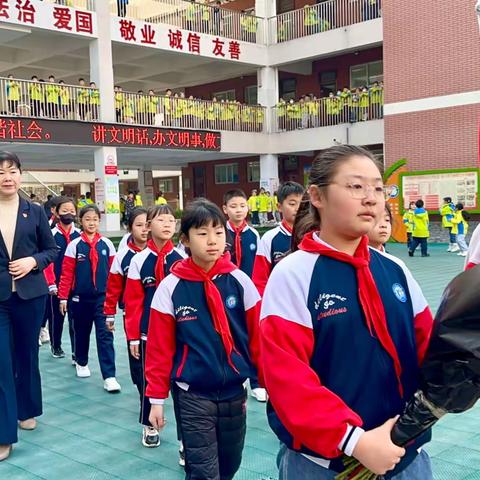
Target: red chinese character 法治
{"points": [[211, 141], [158, 138], [26, 11], [34, 131], [148, 34], [128, 135], [196, 140], [184, 139], [218, 47], [142, 137], [114, 133], [99, 134], [4, 9], [15, 130], [175, 39], [83, 22], [234, 50], [62, 17], [127, 30], [193, 43]]}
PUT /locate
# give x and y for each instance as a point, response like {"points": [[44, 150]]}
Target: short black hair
{"points": [[459, 206], [289, 188], [136, 212], [51, 76], [389, 212], [88, 194], [419, 203], [156, 210], [199, 213], [59, 201], [34, 76], [411, 203], [232, 194], [32, 196], [447, 199], [81, 79], [89, 208], [10, 159]]}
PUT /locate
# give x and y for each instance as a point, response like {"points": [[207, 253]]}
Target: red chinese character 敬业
{"points": [[218, 47], [196, 140], [83, 22], [211, 141], [34, 131], [158, 138], [127, 30], [193, 43], [234, 50], [62, 17], [148, 34], [4, 9], [99, 134], [26, 11], [175, 39]]}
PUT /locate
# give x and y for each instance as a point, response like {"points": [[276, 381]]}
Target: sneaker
{"points": [[40, 342], [57, 353], [150, 437], [44, 336], [410, 253], [181, 457], [455, 248], [260, 394], [449, 249], [462, 254], [74, 362], [82, 372], [425, 255], [111, 385]]}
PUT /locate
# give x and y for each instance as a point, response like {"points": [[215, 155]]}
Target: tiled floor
{"points": [[86, 434]]}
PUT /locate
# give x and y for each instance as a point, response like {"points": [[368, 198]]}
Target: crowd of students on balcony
{"points": [[348, 105]]}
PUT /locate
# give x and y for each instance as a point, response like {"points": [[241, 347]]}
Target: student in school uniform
{"points": [[84, 279], [253, 208], [460, 228], [341, 346], [408, 222], [202, 343], [379, 235], [263, 202], [276, 242], [447, 212], [146, 271], [421, 230]]}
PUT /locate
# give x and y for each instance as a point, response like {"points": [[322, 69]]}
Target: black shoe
{"points": [[57, 352], [425, 255], [410, 254], [181, 458]]}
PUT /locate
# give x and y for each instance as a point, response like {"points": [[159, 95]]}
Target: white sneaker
{"points": [[40, 342], [260, 394], [44, 336], [111, 385], [455, 248], [82, 372], [462, 254], [150, 437], [449, 249]]}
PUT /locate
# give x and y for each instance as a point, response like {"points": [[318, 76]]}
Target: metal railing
{"points": [[324, 112], [32, 184], [196, 17], [178, 112], [80, 4], [48, 100], [324, 16]]}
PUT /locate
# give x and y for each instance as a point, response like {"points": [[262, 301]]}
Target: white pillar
{"points": [[267, 91], [84, 188], [269, 172], [145, 186]]}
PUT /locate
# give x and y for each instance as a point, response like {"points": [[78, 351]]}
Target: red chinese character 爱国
{"points": [[63, 18], [99, 133], [175, 39], [142, 136], [148, 34], [193, 43], [34, 131], [83, 22], [171, 138], [218, 47], [4, 9], [127, 30], [114, 133], [15, 130], [211, 141], [184, 139], [158, 138], [26, 11], [234, 50], [196, 140]]}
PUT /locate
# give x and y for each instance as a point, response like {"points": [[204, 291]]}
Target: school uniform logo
{"points": [[104, 252], [399, 292], [81, 257], [231, 302], [329, 304], [186, 313], [149, 281], [253, 247]]}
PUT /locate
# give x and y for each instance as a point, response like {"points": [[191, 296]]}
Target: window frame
{"points": [[251, 167], [224, 95], [234, 178]]}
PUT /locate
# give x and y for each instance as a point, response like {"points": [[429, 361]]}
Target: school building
{"points": [[227, 65]]}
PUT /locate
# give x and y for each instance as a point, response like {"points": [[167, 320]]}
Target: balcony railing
{"points": [[325, 112], [80, 4], [197, 17], [326, 15], [48, 100], [177, 112]]}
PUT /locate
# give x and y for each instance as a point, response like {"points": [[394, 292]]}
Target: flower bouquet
{"points": [[450, 373]]}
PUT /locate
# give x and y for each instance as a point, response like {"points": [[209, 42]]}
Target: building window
{"points": [[227, 95], [251, 95], [288, 88], [186, 183], [366, 74], [226, 173], [165, 185], [253, 172], [328, 83]]}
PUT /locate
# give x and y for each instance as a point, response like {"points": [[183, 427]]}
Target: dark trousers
{"points": [[20, 384], [416, 241], [453, 236], [213, 434], [255, 218], [409, 239], [87, 312], [56, 320]]}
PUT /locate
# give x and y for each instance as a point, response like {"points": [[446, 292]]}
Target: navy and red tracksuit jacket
{"points": [[77, 270], [184, 347], [328, 377], [140, 288], [249, 240]]}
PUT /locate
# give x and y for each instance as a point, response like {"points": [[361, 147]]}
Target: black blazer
{"points": [[33, 238]]}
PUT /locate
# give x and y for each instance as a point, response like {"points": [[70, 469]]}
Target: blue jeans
{"points": [[416, 241], [293, 466]]}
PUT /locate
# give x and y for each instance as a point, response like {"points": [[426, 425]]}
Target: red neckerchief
{"points": [[237, 231], [287, 227], [65, 233], [161, 255], [370, 299], [187, 270], [93, 253], [133, 246]]}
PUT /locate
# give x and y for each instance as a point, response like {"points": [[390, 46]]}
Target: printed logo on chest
{"points": [[330, 304], [186, 313]]}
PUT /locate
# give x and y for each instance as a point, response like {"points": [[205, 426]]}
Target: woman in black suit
{"points": [[26, 248]]}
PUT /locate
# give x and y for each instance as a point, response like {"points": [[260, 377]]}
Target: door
{"points": [[199, 182]]}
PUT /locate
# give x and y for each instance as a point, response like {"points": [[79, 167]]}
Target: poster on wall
{"points": [[433, 186]]}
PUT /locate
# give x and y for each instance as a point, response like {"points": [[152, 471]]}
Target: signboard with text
{"points": [[27, 130]]}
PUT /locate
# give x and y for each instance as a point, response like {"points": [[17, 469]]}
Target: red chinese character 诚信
{"points": [[4, 9], [128, 135], [218, 47], [196, 140], [158, 138], [15, 130], [26, 11], [193, 43], [148, 34], [211, 141], [142, 136], [175, 39], [34, 131], [83, 22], [3, 129], [127, 30], [184, 139], [62, 17], [171, 138], [99, 134], [114, 133], [234, 50]]}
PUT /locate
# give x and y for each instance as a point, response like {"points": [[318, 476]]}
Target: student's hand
{"points": [[110, 323], [21, 267], [63, 307], [156, 417], [135, 351], [53, 290], [376, 451]]}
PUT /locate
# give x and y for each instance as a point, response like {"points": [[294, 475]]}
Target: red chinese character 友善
{"points": [[234, 50], [4, 9], [175, 39], [3, 129], [99, 134], [63, 18], [15, 130], [193, 43], [211, 141], [218, 47], [196, 140], [83, 22], [127, 30], [171, 138], [148, 34], [34, 131], [142, 136], [26, 11], [128, 135], [184, 139], [114, 133], [158, 138]]}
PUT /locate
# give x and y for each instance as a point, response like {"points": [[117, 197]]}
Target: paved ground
{"points": [[86, 434]]}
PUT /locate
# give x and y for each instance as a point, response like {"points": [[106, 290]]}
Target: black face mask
{"points": [[67, 218]]}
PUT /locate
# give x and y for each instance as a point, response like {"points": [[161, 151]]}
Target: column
{"points": [[145, 186], [269, 172], [267, 9]]}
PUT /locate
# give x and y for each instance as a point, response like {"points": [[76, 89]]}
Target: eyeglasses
{"points": [[359, 191]]}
